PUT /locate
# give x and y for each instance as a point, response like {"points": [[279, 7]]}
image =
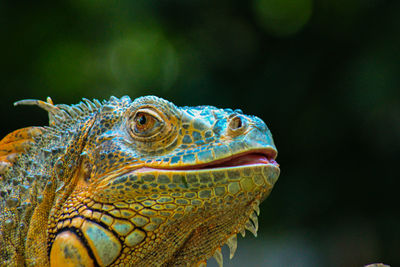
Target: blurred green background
{"points": [[323, 74]]}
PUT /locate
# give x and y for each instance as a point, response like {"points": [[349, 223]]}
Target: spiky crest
{"points": [[62, 116]]}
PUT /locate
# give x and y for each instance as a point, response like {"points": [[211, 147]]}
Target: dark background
{"points": [[323, 74]]}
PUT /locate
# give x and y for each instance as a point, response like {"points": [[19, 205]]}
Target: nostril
{"points": [[236, 125]]}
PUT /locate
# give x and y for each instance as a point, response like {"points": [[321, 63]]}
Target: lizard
{"points": [[126, 182]]}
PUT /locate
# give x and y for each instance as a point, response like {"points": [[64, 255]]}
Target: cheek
{"points": [[68, 250]]}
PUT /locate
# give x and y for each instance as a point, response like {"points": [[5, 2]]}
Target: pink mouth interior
{"points": [[239, 160], [245, 160]]}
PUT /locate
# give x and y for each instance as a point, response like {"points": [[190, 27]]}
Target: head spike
{"points": [[48, 106], [49, 100], [90, 104], [77, 110], [249, 226], [53, 110], [68, 109], [218, 257], [232, 244], [253, 217], [243, 232], [97, 103], [257, 210]]}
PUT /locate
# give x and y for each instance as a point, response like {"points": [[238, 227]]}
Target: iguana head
{"points": [[156, 184]]}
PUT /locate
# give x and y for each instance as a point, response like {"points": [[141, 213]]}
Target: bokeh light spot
{"points": [[143, 59]]}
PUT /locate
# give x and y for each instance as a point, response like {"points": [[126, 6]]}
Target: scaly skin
{"points": [[132, 183]]}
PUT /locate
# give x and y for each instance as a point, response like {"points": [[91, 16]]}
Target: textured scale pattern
{"points": [[132, 183]]}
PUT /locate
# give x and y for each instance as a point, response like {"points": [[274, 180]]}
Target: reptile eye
{"points": [[146, 123]]}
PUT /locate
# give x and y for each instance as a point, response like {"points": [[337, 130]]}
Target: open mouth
{"points": [[254, 157], [243, 159]]}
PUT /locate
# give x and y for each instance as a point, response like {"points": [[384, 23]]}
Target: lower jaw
{"points": [[223, 224], [221, 182]]}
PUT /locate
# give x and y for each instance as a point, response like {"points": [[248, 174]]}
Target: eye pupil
{"points": [[142, 120]]}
